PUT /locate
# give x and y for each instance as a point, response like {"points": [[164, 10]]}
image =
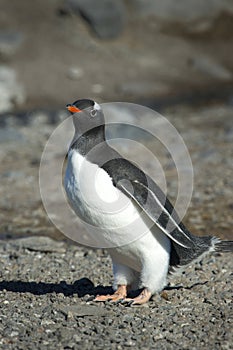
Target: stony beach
{"points": [[46, 289], [47, 284]]}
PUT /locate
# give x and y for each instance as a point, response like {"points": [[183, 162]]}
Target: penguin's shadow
{"points": [[81, 287]]}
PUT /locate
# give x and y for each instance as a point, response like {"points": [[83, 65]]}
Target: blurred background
{"points": [[175, 57]]}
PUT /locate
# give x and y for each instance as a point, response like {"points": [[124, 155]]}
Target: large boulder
{"points": [[106, 17], [191, 15]]}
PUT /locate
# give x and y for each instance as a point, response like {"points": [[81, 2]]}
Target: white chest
{"points": [[106, 211], [90, 187]]}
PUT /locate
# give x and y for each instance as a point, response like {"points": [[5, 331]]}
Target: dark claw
{"points": [[120, 301], [123, 301], [127, 303]]}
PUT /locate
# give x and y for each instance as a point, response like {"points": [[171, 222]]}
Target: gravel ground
{"points": [[45, 293], [46, 285]]}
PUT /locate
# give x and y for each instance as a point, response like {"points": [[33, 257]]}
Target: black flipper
{"points": [[144, 191]]}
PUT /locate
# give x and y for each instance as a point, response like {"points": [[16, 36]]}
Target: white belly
{"points": [[109, 215]]}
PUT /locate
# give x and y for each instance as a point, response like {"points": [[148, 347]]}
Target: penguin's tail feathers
{"points": [[222, 246]]}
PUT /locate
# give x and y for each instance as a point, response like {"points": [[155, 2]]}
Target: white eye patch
{"points": [[96, 106]]}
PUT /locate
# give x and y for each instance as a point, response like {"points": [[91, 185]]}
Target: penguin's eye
{"points": [[93, 112]]}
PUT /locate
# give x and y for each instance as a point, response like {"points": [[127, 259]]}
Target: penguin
{"points": [[151, 239]]}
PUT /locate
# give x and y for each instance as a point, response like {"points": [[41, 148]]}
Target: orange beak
{"points": [[73, 109]]}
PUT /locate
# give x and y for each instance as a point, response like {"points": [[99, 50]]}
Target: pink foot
{"points": [[119, 294], [141, 299]]}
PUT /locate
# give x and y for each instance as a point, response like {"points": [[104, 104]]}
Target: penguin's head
{"points": [[87, 115], [90, 107]]}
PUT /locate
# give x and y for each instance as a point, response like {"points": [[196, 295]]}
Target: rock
{"points": [[144, 88], [214, 69], [9, 43], [195, 16], [11, 92], [106, 17], [84, 310], [97, 88], [75, 73], [184, 10], [41, 244], [229, 136], [7, 135], [13, 175]]}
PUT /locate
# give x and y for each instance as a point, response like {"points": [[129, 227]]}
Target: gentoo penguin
{"points": [[158, 242]]}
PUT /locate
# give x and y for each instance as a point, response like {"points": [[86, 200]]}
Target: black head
{"points": [[87, 106], [88, 119], [80, 105]]}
